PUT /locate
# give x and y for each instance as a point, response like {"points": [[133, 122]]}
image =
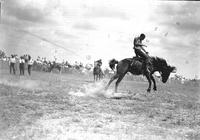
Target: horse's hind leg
{"points": [[154, 82], [118, 81], [111, 80]]}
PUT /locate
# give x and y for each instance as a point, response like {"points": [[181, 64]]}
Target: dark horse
{"points": [[137, 68], [55, 66], [97, 72]]}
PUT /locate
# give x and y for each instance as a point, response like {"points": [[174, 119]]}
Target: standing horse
{"points": [[98, 73], [137, 68], [56, 66]]}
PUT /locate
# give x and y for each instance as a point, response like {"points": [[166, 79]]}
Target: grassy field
{"points": [[51, 106]]}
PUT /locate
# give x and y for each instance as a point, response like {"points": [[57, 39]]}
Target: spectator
{"points": [[21, 65], [12, 64], [26, 57], [2, 54], [30, 63]]}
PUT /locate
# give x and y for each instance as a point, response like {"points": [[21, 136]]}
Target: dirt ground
{"points": [[51, 106]]}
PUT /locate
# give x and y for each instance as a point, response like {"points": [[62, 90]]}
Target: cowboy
{"points": [[140, 51], [99, 62]]}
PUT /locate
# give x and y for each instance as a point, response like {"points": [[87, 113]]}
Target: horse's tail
{"points": [[112, 63]]}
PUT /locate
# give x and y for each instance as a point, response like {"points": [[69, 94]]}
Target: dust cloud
{"points": [[96, 89]]}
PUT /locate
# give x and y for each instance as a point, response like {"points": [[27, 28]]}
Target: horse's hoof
{"points": [[148, 90], [154, 88]]}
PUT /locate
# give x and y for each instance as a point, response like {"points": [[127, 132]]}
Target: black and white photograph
{"points": [[99, 70]]}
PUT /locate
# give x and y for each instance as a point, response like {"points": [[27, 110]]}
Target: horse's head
{"points": [[164, 68], [166, 72]]}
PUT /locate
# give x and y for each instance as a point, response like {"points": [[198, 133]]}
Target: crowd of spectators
{"points": [[40, 64], [13, 60]]}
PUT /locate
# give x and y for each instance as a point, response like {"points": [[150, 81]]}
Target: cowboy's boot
{"points": [[148, 65]]}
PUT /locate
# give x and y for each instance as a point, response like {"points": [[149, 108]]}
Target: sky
{"points": [[87, 30]]}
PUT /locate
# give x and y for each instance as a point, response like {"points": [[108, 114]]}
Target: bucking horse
{"points": [[135, 66]]}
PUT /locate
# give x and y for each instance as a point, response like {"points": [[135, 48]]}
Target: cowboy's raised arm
{"points": [[144, 45]]}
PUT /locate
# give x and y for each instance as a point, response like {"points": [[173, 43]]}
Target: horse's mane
{"points": [[160, 61]]}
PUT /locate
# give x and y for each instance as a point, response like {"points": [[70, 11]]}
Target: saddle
{"points": [[140, 59], [145, 63]]}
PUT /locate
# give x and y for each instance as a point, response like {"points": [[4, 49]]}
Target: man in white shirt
{"points": [[21, 65], [30, 63], [12, 64]]}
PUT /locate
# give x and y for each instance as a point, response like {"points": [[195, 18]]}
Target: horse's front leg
{"points": [[149, 80], [99, 77], [94, 78], [154, 82]]}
